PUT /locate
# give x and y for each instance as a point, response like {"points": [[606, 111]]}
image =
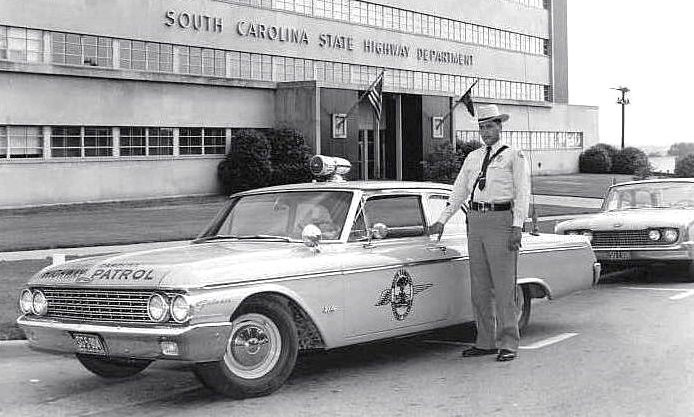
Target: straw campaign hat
{"points": [[489, 112]]}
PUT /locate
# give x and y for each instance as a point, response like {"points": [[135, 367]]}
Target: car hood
{"points": [[635, 219], [188, 266]]}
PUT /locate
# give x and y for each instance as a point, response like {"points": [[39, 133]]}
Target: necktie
{"points": [[483, 173]]}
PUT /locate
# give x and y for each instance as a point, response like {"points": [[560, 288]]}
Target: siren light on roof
{"points": [[329, 167]]}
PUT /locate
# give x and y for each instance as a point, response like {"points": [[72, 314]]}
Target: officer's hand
{"points": [[436, 229], [514, 239]]}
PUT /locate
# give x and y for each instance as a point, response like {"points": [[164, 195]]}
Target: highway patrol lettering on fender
{"points": [[134, 274]]}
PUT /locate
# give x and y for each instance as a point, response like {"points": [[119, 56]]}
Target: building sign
{"points": [[195, 21], [297, 35]]}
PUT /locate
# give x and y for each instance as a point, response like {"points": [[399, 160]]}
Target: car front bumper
{"points": [[197, 343], [672, 253]]}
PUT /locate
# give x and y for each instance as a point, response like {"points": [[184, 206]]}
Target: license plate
{"points": [[88, 343], [618, 256]]}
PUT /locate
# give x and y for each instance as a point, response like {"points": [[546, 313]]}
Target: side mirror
{"points": [[311, 235], [379, 231]]}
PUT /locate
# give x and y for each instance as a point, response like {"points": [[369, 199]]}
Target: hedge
{"points": [[684, 166], [260, 158]]}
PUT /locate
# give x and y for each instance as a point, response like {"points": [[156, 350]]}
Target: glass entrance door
{"points": [[368, 136]]}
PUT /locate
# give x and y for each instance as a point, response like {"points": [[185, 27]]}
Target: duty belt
{"points": [[490, 206]]}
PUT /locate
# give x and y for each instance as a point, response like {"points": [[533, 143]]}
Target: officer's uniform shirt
{"points": [[508, 179]]}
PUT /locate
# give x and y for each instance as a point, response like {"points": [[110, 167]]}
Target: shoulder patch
{"points": [[520, 154]]}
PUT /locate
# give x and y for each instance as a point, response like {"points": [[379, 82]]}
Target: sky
{"points": [[640, 45]]}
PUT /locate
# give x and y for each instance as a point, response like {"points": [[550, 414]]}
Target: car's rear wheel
{"points": [[112, 367], [523, 304], [260, 353]]}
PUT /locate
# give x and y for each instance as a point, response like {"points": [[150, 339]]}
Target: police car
{"points": [[280, 270]]}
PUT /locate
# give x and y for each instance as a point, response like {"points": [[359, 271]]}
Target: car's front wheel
{"points": [[112, 367], [523, 304], [260, 353]]}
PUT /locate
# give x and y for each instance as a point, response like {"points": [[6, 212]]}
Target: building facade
{"points": [[126, 99]]}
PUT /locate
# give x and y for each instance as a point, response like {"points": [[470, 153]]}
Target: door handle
{"points": [[434, 248]]}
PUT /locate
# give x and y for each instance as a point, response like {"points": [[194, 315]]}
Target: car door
{"points": [[398, 284], [454, 242]]}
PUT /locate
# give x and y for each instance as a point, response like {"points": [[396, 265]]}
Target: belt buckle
{"points": [[484, 207]]}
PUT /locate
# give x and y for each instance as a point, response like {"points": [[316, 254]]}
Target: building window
{"points": [[160, 141], [539, 140], [20, 44], [214, 141], [98, 141], [21, 142], [69, 48], [133, 141], [149, 56], [66, 142], [201, 141], [190, 141], [150, 141]]}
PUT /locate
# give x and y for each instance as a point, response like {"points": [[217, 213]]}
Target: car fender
{"points": [[538, 287], [230, 298]]}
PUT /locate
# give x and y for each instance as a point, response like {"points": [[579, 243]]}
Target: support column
{"points": [[398, 137], [316, 121], [47, 142]]}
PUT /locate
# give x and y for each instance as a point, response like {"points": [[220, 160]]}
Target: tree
{"points": [[681, 149]]}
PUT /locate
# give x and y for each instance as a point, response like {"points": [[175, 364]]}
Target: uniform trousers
{"points": [[493, 279]]}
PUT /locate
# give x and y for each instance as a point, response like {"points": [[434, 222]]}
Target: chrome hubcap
{"points": [[254, 346]]}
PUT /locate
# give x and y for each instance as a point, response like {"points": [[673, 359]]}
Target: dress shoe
{"points": [[506, 355], [475, 351]]}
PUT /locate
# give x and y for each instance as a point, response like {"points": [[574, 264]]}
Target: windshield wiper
{"points": [[244, 237], [273, 237], [217, 237]]}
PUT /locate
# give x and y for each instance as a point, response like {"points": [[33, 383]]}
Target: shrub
{"points": [[443, 164], [247, 165], [684, 166], [631, 161], [611, 150], [289, 157], [464, 148], [594, 160]]}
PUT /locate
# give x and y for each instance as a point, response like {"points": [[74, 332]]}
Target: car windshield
{"points": [[281, 216], [650, 195]]}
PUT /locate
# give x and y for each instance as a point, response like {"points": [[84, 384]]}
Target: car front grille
{"points": [[624, 238], [98, 305]]}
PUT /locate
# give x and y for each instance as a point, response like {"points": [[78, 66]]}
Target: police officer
{"points": [[494, 183]]}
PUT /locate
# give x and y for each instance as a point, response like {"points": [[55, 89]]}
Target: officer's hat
{"points": [[489, 112]]}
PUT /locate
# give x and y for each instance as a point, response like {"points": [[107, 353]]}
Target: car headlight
{"points": [[654, 234], [180, 309], [670, 235], [39, 304], [26, 302], [158, 308], [571, 232], [588, 234]]}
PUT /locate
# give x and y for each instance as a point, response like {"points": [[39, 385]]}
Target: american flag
{"points": [[375, 95]]}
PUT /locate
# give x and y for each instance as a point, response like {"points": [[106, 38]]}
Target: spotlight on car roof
{"points": [[329, 168]]}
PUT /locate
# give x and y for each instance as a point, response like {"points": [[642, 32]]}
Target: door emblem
{"points": [[617, 225], [401, 294]]}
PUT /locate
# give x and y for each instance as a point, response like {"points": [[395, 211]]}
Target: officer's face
{"points": [[490, 132]]}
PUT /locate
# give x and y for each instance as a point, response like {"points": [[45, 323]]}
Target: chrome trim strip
{"points": [[130, 331], [639, 248], [369, 269]]}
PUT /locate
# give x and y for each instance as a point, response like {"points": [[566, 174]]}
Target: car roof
{"points": [[656, 180], [354, 186]]}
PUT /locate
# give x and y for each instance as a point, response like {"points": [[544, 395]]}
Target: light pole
{"points": [[623, 101]]}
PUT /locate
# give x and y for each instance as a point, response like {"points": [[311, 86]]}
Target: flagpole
{"points": [[450, 112], [377, 148]]}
